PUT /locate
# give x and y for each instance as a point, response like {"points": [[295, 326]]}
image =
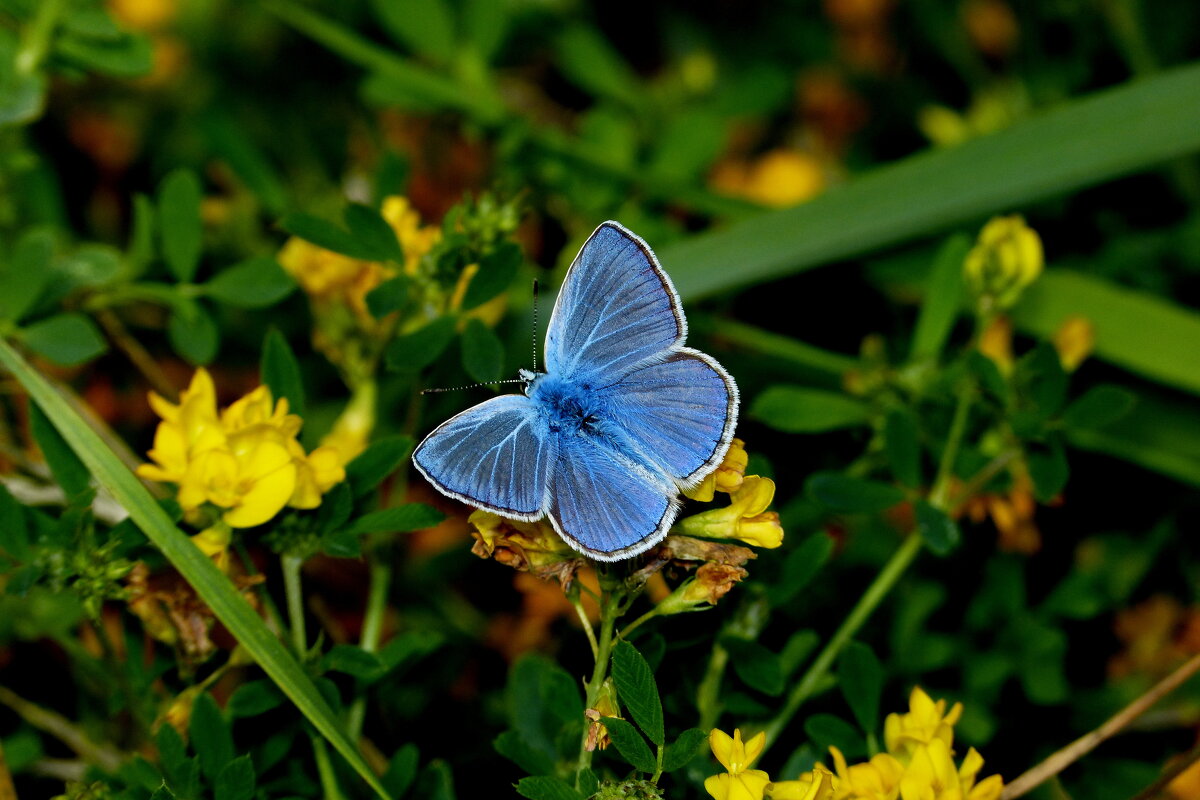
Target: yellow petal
{"points": [[722, 746], [718, 785], [754, 496], [265, 499]]}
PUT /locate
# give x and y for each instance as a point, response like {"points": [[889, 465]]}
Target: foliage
{"points": [[950, 255]]}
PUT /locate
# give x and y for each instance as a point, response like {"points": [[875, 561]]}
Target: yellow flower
{"points": [[415, 239], [779, 178], [214, 542], [144, 15], [931, 775], [877, 779], [816, 785], [727, 477], [1074, 340], [925, 722], [996, 343], [245, 460], [746, 517], [711, 582], [1006, 258], [738, 782], [532, 547]]}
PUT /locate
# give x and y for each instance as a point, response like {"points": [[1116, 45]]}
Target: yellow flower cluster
{"points": [[746, 517], [1006, 258], [334, 279], [918, 765], [739, 782], [245, 460]]}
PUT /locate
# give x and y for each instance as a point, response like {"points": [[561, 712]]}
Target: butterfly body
{"points": [[623, 418]]}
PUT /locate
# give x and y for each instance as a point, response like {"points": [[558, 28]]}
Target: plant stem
{"points": [[381, 580], [581, 612], [866, 604], [1060, 760], [885, 580], [708, 693], [329, 784], [631, 627], [37, 36], [608, 620], [295, 602]]}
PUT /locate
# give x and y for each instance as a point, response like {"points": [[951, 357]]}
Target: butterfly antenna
{"points": [[470, 386], [535, 316]]}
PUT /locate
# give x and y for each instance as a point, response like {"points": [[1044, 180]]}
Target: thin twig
{"points": [[1171, 773], [138, 355], [1062, 759], [63, 729]]}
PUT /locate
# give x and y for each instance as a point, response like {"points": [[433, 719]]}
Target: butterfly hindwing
{"points": [[616, 308], [678, 413], [605, 505], [497, 455]]}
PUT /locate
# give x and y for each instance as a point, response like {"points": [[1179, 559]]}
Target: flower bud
{"points": [[1006, 258]]}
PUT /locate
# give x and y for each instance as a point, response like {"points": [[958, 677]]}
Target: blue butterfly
{"points": [[623, 418]]}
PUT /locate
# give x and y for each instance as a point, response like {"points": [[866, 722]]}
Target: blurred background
{"points": [[798, 166]]}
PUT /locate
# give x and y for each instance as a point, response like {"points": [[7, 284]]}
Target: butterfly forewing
{"points": [[616, 308], [497, 454]]}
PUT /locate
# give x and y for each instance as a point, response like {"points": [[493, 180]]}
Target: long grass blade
{"points": [[212, 586]]}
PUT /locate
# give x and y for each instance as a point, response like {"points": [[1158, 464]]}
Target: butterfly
{"points": [[623, 419]]}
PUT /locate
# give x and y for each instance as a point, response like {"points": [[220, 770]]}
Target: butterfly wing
{"points": [[605, 505], [616, 308], [497, 455], [678, 414]]}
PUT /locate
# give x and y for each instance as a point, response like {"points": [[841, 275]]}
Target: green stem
{"points": [[608, 621], [581, 612], [329, 784], [295, 602], [37, 36], [381, 581], [884, 581], [875, 593], [631, 627], [708, 694]]}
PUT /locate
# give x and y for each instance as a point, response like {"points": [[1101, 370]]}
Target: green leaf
{"points": [[22, 96], [254, 698], [65, 466], [236, 781], [756, 665], [182, 774], [66, 339], [1101, 406], [193, 334], [417, 350], [630, 744], [402, 770], [25, 273], [126, 56], [485, 23], [637, 690], [589, 61], [389, 296], [989, 376], [943, 300], [1157, 434], [903, 448], [496, 273], [482, 352], [860, 677], [796, 409], [237, 148], [1128, 128], [181, 231], [425, 27], [800, 566], [377, 462], [212, 586], [1046, 380], [936, 528], [281, 371], [353, 661], [684, 749], [141, 236], [841, 492], [547, 787], [254, 283], [210, 736], [14, 528], [90, 265], [510, 745], [408, 517], [373, 233], [1048, 470], [827, 730]]}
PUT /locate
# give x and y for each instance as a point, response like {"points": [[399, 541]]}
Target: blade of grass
{"points": [[1140, 332], [1082, 143], [1157, 434], [785, 348], [199, 571]]}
